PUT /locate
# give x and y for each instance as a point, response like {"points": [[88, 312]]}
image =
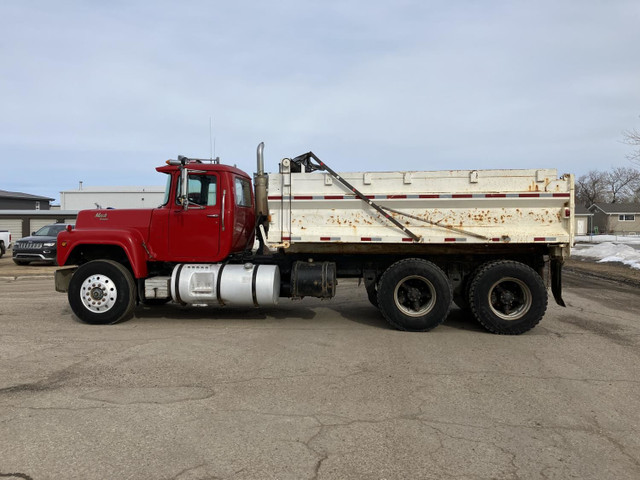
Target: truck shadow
{"points": [[321, 312], [463, 320], [172, 311]]}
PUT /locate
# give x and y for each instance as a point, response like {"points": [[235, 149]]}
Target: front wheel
{"points": [[102, 292], [414, 295], [507, 297]]}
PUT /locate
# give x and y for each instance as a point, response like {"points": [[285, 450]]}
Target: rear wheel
{"points": [[461, 296], [507, 297], [102, 292], [414, 295], [372, 294], [2, 248]]}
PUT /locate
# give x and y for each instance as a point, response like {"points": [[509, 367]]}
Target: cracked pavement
{"points": [[317, 390]]}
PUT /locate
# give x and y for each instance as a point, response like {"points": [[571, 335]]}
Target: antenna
{"points": [[210, 141], [212, 144]]}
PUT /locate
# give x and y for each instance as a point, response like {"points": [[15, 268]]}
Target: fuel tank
{"points": [[240, 285]]}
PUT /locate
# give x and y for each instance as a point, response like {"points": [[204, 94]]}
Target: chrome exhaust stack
{"points": [[260, 153], [260, 180]]}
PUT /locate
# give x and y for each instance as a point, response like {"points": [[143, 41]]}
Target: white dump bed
{"points": [[440, 207]]}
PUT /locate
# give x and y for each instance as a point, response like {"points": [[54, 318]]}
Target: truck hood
{"points": [[138, 219]]}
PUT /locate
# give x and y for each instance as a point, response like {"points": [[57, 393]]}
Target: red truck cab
{"points": [[213, 219]]}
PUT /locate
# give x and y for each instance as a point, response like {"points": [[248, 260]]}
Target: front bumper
{"points": [[35, 255]]}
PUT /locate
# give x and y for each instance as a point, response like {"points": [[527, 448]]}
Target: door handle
{"points": [[213, 215]]}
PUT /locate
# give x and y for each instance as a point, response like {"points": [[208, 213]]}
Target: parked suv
{"points": [[39, 247]]}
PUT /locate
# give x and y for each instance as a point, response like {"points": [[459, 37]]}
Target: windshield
{"points": [[50, 231]]}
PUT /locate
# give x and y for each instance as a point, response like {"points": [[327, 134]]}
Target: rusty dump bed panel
{"points": [[441, 208]]}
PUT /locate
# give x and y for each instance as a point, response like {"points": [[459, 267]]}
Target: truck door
{"points": [[194, 232]]}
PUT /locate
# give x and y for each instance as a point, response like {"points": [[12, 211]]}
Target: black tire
{"points": [[461, 302], [372, 294], [21, 262], [507, 297], [102, 292], [414, 295], [461, 297], [2, 249]]}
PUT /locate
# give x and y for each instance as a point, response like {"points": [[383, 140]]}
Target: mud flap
{"points": [[63, 277], [556, 281]]}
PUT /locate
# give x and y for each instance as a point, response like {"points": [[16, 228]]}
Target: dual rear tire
{"points": [[414, 295], [505, 296]]}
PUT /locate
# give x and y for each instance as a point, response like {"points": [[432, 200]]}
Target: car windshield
{"points": [[50, 231]]}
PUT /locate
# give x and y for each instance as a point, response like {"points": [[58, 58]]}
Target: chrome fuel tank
{"points": [[241, 285]]}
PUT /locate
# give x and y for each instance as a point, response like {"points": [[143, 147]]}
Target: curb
{"points": [[24, 277], [35, 277]]}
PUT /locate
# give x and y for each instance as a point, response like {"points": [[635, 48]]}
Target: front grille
{"points": [[26, 246]]}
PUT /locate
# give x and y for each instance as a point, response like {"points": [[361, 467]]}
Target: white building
{"points": [[111, 197]]}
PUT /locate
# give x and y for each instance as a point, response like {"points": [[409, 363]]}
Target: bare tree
{"points": [[632, 137], [621, 184], [591, 188]]}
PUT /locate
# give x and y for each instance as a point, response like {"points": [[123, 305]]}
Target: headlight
{"points": [[49, 244]]}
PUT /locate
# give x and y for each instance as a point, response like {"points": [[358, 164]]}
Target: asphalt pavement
{"points": [[316, 389]]}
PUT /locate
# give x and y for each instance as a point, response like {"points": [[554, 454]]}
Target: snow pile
{"points": [[633, 239], [610, 252]]}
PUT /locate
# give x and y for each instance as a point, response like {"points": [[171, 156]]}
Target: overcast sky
{"points": [[104, 91]]}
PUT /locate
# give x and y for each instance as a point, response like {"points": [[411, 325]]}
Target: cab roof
{"points": [[207, 167]]}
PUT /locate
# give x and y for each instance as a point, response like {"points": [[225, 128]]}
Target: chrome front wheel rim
{"points": [[98, 293]]}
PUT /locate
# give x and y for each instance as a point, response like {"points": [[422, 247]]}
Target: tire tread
{"points": [[494, 326], [99, 319], [384, 295]]}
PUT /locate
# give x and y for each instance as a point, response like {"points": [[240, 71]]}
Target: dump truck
{"points": [[491, 241]]}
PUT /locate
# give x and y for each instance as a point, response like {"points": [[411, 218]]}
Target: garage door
{"points": [[14, 226], [37, 223]]}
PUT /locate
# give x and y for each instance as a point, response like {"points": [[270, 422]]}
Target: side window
{"points": [[242, 192], [202, 190]]}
